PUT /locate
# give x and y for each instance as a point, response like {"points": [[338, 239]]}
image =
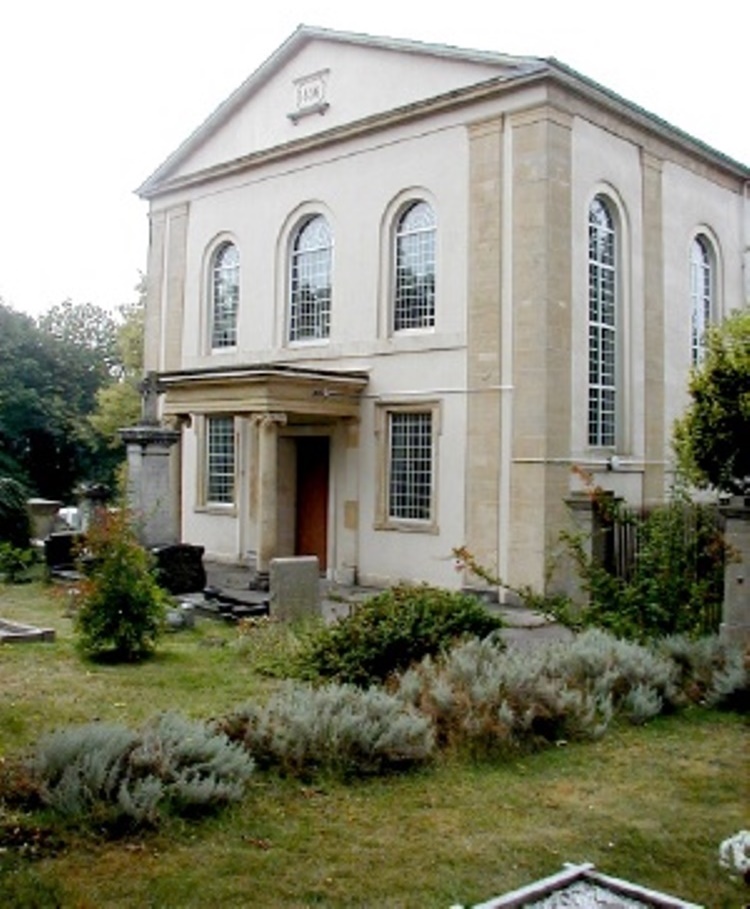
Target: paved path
{"points": [[524, 627]]}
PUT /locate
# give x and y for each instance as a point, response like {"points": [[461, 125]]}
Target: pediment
{"points": [[320, 80]]}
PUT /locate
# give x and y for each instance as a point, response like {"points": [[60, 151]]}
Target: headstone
{"points": [[295, 587], [61, 550], [179, 567]]}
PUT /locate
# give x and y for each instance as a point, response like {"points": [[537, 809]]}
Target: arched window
{"points": [[414, 291], [310, 296], [603, 318], [701, 295], [225, 295]]}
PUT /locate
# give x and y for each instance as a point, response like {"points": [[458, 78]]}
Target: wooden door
{"points": [[311, 526]]}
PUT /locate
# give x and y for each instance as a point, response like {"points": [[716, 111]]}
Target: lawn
{"points": [[650, 804]]}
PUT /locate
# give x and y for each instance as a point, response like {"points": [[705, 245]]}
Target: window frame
{"points": [[409, 314], [604, 325], [208, 472], [703, 304], [385, 518], [321, 307], [216, 274]]}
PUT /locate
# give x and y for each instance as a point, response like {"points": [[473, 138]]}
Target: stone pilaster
{"points": [[267, 515], [154, 291], [174, 303], [483, 453], [653, 339], [542, 301]]}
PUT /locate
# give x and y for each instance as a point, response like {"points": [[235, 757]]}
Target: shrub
{"points": [[15, 524], [14, 562], [392, 630], [336, 728], [120, 606], [708, 671], [106, 775], [675, 582], [486, 699]]}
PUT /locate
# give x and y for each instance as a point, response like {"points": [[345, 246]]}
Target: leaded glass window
{"points": [[310, 303], [225, 295], [410, 465], [414, 295], [701, 296], [603, 367], [220, 456]]}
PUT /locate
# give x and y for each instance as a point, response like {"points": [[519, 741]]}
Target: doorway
{"points": [[311, 524]]}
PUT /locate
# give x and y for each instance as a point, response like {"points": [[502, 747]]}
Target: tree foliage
{"points": [[53, 372], [118, 404], [711, 439], [15, 525]]}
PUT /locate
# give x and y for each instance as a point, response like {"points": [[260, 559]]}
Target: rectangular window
{"points": [[410, 466], [220, 458]]}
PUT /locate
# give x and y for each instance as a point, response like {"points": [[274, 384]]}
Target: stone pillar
{"points": [[149, 493], [735, 619], [595, 533], [268, 517]]}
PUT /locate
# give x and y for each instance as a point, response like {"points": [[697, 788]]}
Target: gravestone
{"points": [[61, 550], [179, 567], [295, 587]]}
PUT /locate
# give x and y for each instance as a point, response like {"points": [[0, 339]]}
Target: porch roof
{"points": [[296, 391]]}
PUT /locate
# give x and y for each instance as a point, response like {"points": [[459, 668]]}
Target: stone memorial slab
{"points": [[295, 588]]}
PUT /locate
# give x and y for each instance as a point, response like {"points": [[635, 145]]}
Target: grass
{"points": [[649, 804]]}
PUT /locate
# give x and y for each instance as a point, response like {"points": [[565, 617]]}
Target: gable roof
{"points": [[509, 66]]}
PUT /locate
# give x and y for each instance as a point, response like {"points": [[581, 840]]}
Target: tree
{"points": [[88, 330], [118, 404], [712, 439], [50, 372]]}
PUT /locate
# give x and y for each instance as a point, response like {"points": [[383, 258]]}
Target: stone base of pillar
{"points": [[149, 495], [735, 635]]}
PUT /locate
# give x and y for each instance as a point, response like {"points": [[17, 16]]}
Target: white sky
{"points": [[94, 94]]}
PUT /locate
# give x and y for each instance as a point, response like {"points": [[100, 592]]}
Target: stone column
{"points": [[735, 619], [268, 518], [150, 494], [653, 332]]}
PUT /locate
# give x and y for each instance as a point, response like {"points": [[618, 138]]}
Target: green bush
{"points": [[675, 585], [120, 606], [392, 630], [340, 729], [105, 775], [14, 562], [15, 524]]}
